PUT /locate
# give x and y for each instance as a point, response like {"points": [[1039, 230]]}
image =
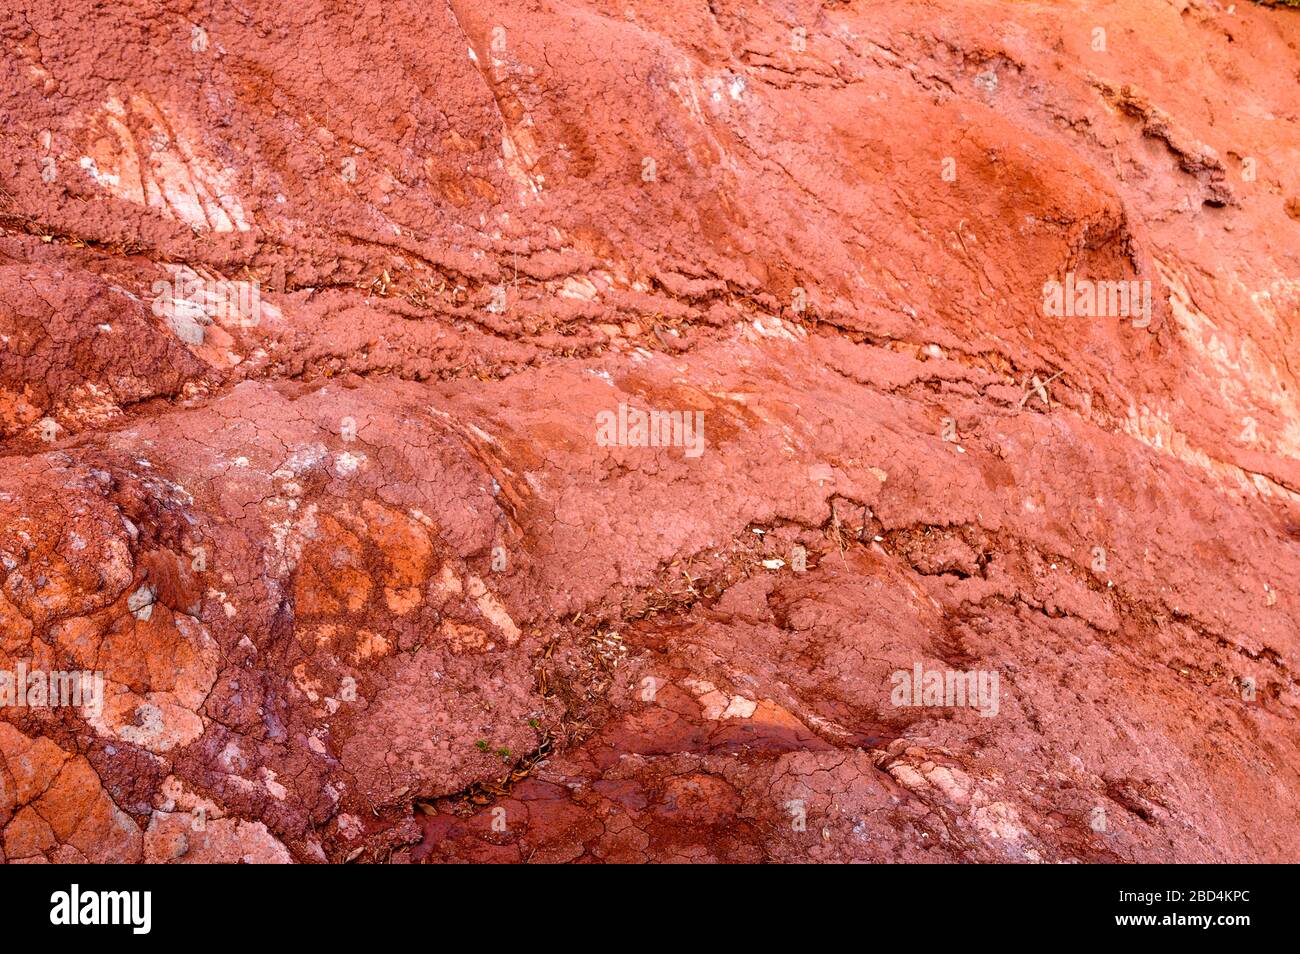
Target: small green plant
{"points": [[483, 745]]}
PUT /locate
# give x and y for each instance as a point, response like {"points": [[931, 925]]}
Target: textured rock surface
{"points": [[362, 581]]}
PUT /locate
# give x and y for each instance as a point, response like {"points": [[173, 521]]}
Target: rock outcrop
{"points": [[680, 431]]}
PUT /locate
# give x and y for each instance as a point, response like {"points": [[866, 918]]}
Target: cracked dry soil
{"points": [[308, 318]]}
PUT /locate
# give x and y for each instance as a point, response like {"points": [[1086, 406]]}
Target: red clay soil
{"points": [[371, 571]]}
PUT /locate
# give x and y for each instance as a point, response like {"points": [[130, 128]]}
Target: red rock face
{"points": [[966, 528]]}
